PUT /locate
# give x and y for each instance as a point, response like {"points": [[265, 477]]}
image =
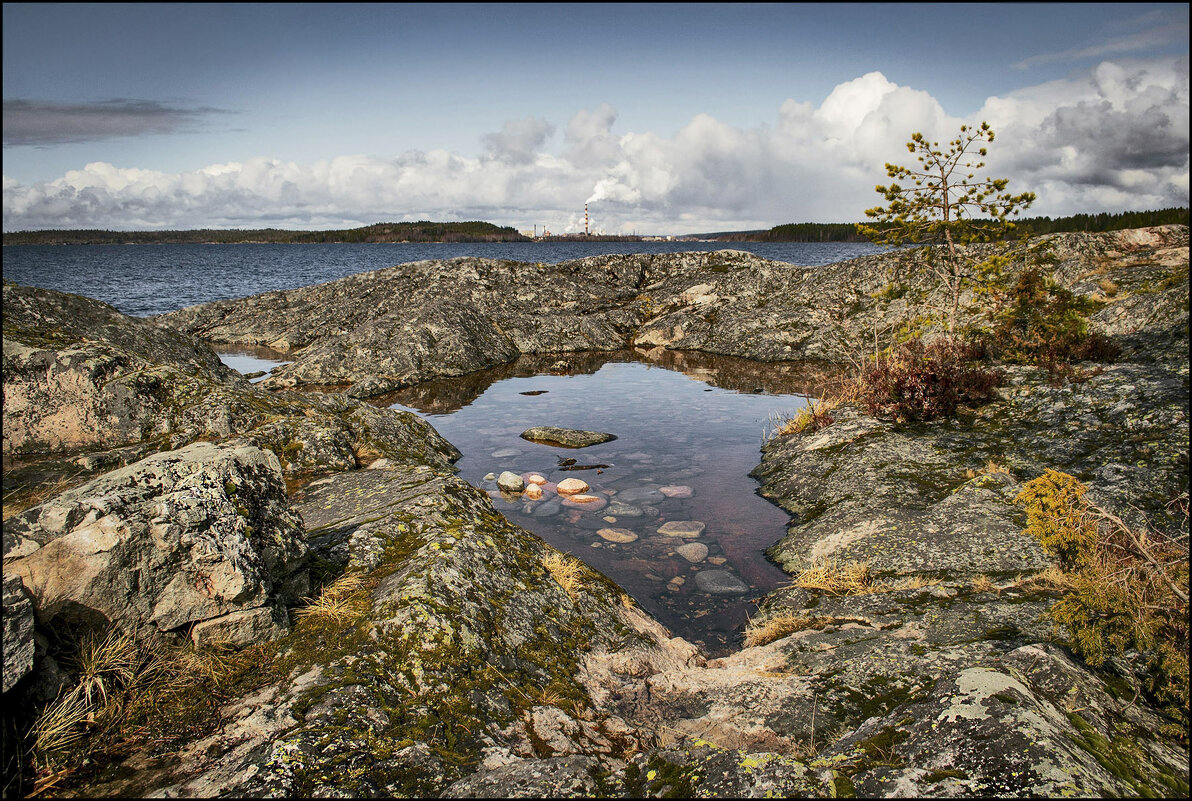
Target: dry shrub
{"points": [[1045, 324], [925, 382], [1126, 589]]}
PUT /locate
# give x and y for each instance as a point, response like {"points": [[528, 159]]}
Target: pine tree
{"points": [[940, 208]]}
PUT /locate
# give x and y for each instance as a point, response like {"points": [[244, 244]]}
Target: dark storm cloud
{"points": [[1111, 141], [34, 122]]}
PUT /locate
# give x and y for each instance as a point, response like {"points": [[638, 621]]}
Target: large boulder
{"points": [[176, 539], [78, 373]]}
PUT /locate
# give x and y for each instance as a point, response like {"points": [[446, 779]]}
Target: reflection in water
{"points": [[674, 518], [446, 395], [248, 359]]}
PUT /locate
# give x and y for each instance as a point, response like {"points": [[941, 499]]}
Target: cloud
{"points": [[31, 122], [1134, 43], [518, 141], [1110, 139]]}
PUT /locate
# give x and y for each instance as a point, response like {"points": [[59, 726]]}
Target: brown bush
{"points": [[925, 382]]}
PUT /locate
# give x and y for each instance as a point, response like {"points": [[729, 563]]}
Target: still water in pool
{"points": [[675, 518]]}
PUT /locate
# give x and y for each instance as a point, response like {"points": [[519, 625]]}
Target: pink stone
{"points": [[589, 503], [572, 486], [677, 491]]}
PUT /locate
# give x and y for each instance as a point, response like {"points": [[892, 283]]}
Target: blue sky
{"points": [[667, 118]]}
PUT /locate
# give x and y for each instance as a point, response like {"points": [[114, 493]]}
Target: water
{"points": [[250, 359], [144, 280], [683, 452], [673, 431]]}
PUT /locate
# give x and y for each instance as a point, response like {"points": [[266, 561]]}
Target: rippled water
{"points": [[144, 280]]}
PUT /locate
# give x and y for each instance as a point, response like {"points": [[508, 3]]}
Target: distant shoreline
{"points": [[426, 232]]}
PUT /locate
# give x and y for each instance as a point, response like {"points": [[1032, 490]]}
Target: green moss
{"points": [[892, 291], [1127, 762], [937, 776], [665, 779], [880, 749], [842, 786]]}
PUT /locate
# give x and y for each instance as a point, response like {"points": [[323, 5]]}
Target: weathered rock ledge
{"points": [[379, 331], [470, 659]]}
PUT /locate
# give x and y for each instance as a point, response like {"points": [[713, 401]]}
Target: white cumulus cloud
{"points": [[1112, 139]]}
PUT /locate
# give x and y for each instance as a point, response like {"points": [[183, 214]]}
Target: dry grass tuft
{"points": [[853, 578], [812, 417], [339, 602], [982, 584], [21, 498], [107, 667], [566, 570], [913, 582], [778, 626], [1053, 578]]}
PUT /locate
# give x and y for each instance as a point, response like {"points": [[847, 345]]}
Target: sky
{"points": [[663, 118]]}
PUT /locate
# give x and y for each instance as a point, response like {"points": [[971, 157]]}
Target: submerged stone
{"points": [[566, 437], [720, 582], [621, 535], [693, 551], [510, 482], [677, 491], [688, 529], [572, 486]]}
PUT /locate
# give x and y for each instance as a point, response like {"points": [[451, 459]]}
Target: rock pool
{"points": [[674, 518]]}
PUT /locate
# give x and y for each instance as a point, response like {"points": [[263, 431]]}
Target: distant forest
{"points": [[847, 232], [425, 231], [422, 231]]}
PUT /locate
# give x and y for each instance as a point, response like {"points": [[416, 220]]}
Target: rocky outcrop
{"points": [[462, 648], [18, 632], [403, 325], [87, 389], [453, 653], [201, 535]]}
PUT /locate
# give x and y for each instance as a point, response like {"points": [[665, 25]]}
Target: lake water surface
{"points": [[144, 280]]}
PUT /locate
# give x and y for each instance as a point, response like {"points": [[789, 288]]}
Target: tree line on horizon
{"points": [[477, 231], [421, 231], [1033, 226]]}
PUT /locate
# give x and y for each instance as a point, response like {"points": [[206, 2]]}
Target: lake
{"points": [[144, 280]]}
